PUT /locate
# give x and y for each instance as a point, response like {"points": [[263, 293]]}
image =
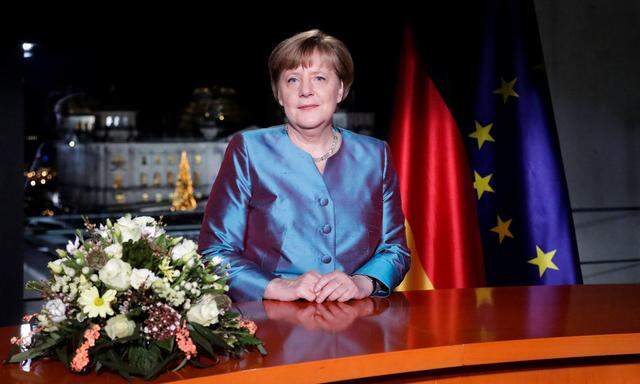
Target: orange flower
{"points": [[184, 341], [249, 326], [81, 358]]}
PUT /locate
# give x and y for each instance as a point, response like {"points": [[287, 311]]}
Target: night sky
{"points": [[154, 69]]}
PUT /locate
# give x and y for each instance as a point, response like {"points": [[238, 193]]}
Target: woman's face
{"points": [[310, 95]]}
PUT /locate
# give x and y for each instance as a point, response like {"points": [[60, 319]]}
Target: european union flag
{"points": [[487, 63], [523, 204]]}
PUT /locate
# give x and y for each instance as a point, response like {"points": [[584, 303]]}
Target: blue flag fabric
{"points": [[523, 204]]}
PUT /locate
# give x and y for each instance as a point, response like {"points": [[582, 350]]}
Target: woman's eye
{"points": [[321, 78], [292, 80]]}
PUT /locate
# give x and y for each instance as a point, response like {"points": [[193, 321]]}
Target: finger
{"points": [[305, 293], [348, 281], [324, 280], [337, 293], [350, 294], [326, 291]]}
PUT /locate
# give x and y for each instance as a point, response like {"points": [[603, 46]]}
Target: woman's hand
{"points": [[293, 289], [339, 286]]}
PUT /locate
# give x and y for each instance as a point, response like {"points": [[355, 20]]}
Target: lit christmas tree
{"points": [[183, 199]]}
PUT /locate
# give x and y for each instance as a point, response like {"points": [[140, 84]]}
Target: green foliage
{"points": [[139, 253], [166, 344]]}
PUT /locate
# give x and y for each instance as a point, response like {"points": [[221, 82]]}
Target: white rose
{"points": [[114, 251], [204, 312], [55, 266], [184, 250], [142, 276], [119, 327], [56, 309], [116, 274], [128, 228]]}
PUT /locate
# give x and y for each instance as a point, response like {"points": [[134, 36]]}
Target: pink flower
{"points": [[184, 341], [25, 340]]}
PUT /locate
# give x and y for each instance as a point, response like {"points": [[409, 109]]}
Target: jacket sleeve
{"points": [[392, 258], [225, 220]]}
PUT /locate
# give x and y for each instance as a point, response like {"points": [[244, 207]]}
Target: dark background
{"points": [[154, 70]]}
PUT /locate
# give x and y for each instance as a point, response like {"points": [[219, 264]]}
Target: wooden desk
{"points": [[588, 333]]}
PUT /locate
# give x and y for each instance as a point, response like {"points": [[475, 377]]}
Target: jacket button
{"points": [[326, 259], [326, 229], [324, 201]]}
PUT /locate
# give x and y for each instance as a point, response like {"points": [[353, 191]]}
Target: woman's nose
{"points": [[306, 88]]}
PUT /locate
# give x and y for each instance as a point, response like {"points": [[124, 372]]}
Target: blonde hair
{"points": [[298, 49]]}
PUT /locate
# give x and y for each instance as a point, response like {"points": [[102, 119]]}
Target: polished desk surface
{"points": [[407, 332]]}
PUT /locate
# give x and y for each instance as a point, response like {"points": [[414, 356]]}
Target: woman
{"points": [[306, 210]]}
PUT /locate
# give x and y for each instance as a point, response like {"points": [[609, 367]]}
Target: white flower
{"points": [[114, 251], [128, 228], [142, 276], [55, 266], [148, 226], [72, 247], [103, 232], [116, 274], [144, 221], [85, 270], [94, 277], [184, 250], [119, 327], [204, 312], [56, 309], [80, 317], [152, 232], [68, 271], [43, 321], [215, 260], [160, 286], [95, 305]]}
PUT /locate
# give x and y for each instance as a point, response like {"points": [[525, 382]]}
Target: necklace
{"points": [[332, 148]]}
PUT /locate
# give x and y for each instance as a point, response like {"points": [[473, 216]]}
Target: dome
{"points": [[212, 108], [75, 104]]}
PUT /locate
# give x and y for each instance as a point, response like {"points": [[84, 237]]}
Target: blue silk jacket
{"points": [[271, 213]]}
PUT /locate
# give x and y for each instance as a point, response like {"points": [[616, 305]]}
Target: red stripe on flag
{"points": [[435, 182]]}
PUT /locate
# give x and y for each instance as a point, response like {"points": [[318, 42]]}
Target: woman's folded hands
{"points": [[312, 286]]}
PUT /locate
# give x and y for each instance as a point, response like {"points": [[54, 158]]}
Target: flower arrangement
{"points": [[135, 300]]}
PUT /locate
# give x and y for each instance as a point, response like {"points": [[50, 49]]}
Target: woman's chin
{"points": [[310, 123]]}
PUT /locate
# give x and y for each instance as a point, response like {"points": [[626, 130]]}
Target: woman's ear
{"points": [[341, 92]]}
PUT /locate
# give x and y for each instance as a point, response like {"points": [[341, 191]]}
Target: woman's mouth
{"points": [[307, 107]]}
